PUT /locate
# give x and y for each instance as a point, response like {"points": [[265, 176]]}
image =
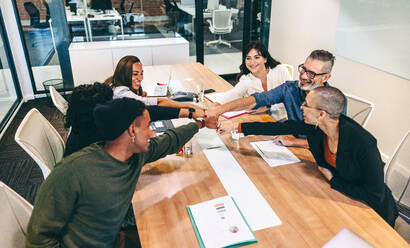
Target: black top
{"points": [[77, 141], [359, 168]]}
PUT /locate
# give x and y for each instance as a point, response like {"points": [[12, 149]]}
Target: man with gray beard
{"points": [[312, 74]]}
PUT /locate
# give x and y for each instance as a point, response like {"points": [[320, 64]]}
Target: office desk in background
{"points": [[112, 15], [190, 10], [79, 17], [311, 212]]}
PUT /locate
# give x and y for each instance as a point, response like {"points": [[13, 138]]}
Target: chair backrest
{"points": [[33, 12], [59, 101], [359, 109], [290, 69], [398, 172], [15, 214], [40, 140], [221, 19]]}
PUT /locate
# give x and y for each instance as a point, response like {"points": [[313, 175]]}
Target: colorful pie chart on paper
{"points": [[233, 229]]}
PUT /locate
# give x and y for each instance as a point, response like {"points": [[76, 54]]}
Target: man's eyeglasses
{"points": [[309, 74]]}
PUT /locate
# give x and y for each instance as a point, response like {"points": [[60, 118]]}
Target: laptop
{"points": [[161, 89], [161, 126]]}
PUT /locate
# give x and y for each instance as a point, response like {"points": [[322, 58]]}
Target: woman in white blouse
{"points": [[259, 72], [126, 82]]}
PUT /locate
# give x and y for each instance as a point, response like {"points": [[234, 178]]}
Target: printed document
{"points": [[219, 223], [274, 154]]}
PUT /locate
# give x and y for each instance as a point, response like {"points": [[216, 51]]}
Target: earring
{"points": [[133, 139], [317, 123]]}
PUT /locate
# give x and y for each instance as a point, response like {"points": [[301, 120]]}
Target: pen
{"points": [[212, 147]]}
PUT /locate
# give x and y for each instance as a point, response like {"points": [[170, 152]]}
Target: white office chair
{"points": [[359, 109], [59, 101], [398, 176], [40, 140], [15, 214], [221, 24], [290, 69]]}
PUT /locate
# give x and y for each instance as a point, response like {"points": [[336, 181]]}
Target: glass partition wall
{"points": [[10, 95], [216, 30]]}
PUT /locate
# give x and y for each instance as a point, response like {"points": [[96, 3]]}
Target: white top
{"points": [[124, 91], [249, 84]]}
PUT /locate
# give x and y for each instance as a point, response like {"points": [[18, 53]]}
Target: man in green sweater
{"points": [[83, 201]]}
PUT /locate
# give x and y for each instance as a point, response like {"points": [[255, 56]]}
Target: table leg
{"points": [[122, 29]]}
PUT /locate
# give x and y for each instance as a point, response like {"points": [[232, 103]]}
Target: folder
{"points": [[220, 223]]}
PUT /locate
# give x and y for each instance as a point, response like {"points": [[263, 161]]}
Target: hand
{"points": [[214, 104], [144, 94], [227, 126], [326, 173], [211, 118], [259, 110], [200, 124], [285, 140], [199, 113]]}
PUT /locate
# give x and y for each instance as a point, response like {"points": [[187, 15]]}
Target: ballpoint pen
{"points": [[212, 147]]}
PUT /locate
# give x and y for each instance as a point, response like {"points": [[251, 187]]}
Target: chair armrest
{"points": [[209, 21]]}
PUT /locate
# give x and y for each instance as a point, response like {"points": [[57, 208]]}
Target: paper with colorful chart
{"points": [[219, 223]]}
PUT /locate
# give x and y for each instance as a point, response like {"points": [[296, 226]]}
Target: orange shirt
{"points": [[329, 157]]}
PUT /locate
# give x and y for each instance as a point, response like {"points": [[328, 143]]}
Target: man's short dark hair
{"points": [[115, 116], [324, 56], [330, 99]]}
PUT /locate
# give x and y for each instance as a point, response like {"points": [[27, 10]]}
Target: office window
{"points": [[37, 37], [10, 95]]}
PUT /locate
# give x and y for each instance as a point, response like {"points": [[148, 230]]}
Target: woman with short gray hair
{"points": [[346, 153]]}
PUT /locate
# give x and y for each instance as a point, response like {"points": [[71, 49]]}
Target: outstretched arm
{"points": [[213, 114]]}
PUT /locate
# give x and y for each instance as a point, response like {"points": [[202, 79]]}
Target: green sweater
{"points": [[83, 201]]}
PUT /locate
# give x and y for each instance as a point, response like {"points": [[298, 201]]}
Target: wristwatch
{"points": [[191, 111]]}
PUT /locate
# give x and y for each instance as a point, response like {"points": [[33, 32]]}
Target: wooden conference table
{"points": [[311, 212]]}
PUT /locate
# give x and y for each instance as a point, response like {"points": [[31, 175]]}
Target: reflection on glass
{"points": [[8, 96], [35, 21]]}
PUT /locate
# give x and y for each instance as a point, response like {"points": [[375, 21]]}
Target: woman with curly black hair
{"points": [[80, 115]]}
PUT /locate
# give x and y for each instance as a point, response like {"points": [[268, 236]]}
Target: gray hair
{"points": [[331, 100], [324, 56]]}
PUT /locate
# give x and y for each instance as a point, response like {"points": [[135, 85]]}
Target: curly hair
{"points": [[263, 51], [81, 105], [123, 74]]}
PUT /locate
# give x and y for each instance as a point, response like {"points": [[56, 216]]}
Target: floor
{"points": [[22, 174], [17, 169]]}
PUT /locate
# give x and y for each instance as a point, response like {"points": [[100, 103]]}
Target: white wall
{"points": [[300, 26], [16, 49]]}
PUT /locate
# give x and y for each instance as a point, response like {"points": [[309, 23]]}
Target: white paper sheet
{"points": [[347, 238], [254, 207], [219, 223], [274, 154], [216, 97]]}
